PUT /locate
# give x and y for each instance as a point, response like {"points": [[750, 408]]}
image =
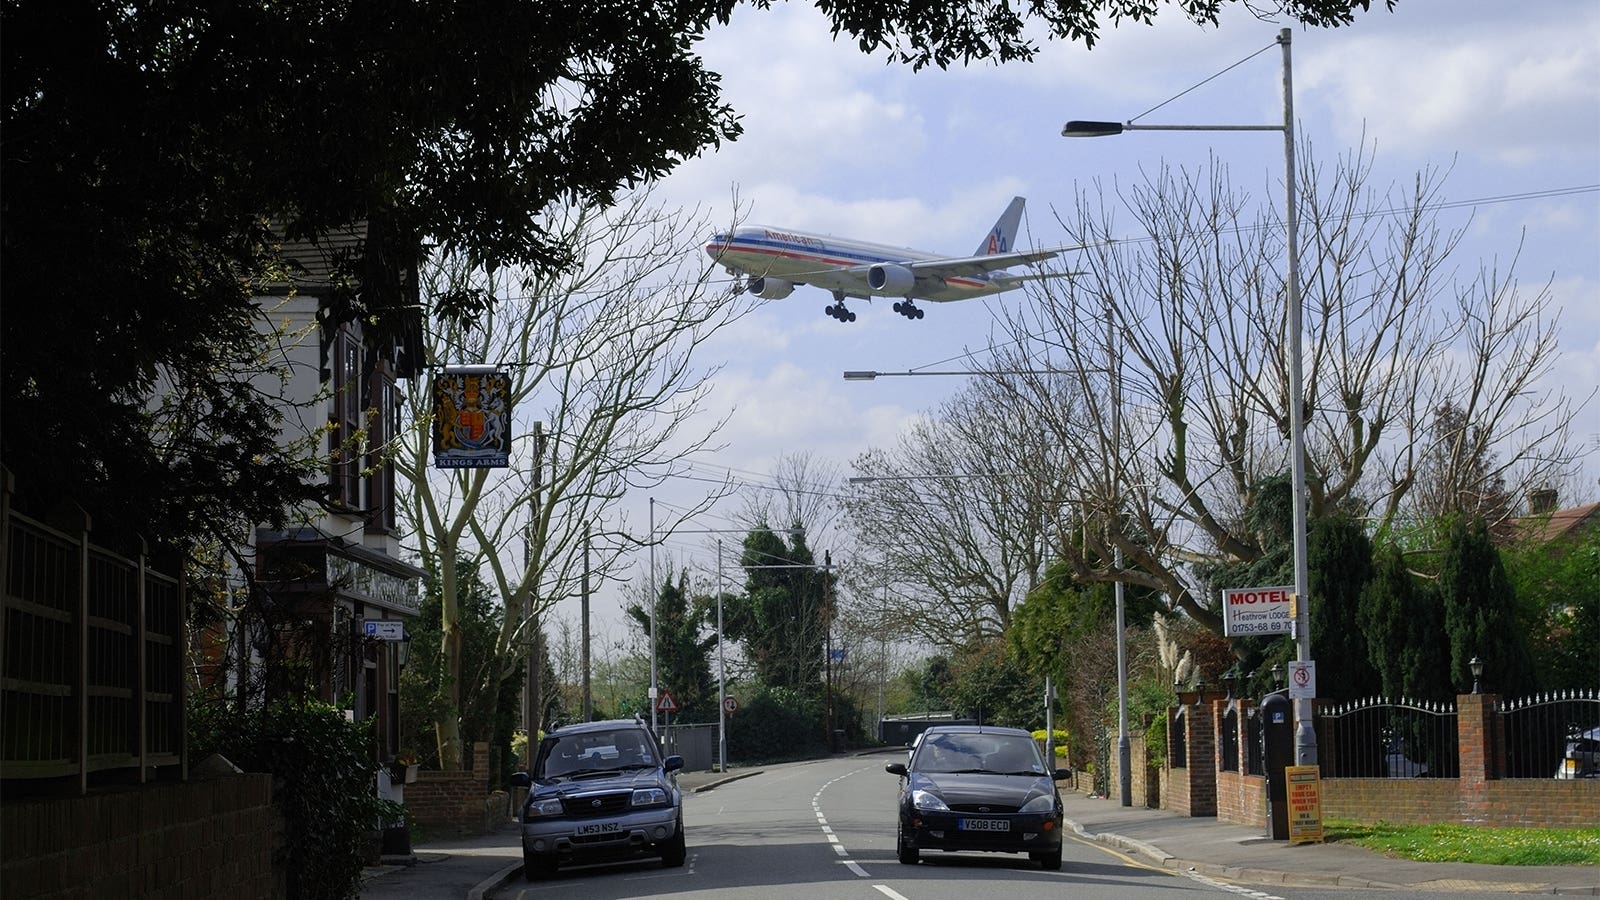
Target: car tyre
{"points": [[538, 867], [675, 850], [1049, 860], [903, 849]]}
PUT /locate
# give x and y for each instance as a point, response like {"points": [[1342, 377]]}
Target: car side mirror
{"points": [[895, 768], [672, 764], [520, 779], [1061, 774]]}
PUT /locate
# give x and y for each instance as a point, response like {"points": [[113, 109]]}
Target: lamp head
{"points": [[1084, 128]]}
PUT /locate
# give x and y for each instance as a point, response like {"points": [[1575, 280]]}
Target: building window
{"points": [[346, 417], [383, 425]]}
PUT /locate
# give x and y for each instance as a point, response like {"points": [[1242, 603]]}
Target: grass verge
{"points": [[1495, 846]]}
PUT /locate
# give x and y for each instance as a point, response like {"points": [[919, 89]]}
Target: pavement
{"points": [[1202, 847]]}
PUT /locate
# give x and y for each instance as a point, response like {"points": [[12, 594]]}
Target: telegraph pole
{"points": [[588, 696]]}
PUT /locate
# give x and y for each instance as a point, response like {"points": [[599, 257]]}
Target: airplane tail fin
{"points": [[1003, 236]]}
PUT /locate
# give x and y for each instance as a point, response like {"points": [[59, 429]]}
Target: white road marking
{"points": [[889, 892], [855, 867], [1230, 888]]}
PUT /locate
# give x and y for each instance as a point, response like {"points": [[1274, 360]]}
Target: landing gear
{"points": [[908, 309], [837, 310]]}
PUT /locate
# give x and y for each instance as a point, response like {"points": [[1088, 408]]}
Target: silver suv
{"points": [[600, 790]]}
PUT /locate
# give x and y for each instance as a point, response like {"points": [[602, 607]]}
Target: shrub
{"points": [[324, 785]]}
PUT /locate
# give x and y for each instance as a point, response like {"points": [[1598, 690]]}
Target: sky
{"points": [[1505, 97]]}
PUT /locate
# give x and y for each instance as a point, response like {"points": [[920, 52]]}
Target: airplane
{"points": [[775, 261]]}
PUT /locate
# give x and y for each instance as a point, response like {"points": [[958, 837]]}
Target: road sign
{"points": [[386, 629], [730, 705], [1302, 679], [665, 703]]}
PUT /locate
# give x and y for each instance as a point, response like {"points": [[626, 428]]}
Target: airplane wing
{"points": [[974, 266]]}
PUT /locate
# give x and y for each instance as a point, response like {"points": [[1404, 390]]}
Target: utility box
{"points": [[1277, 754]]}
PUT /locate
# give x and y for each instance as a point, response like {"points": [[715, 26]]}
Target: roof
{"points": [[603, 725], [1557, 525], [313, 265], [977, 729]]}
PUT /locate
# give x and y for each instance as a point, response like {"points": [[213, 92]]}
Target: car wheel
{"points": [[1049, 860], [674, 851], [904, 850], [537, 867]]}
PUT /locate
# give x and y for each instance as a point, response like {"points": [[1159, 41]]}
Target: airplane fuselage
{"points": [[837, 264]]}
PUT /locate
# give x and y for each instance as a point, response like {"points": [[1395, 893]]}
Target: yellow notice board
{"points": [[1305, 803]]}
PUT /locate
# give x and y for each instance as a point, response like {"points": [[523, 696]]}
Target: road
{"points": [[825, 831]]}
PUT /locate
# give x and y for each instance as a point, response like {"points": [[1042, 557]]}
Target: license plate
{"points": [[983, 825], [598, 828]]}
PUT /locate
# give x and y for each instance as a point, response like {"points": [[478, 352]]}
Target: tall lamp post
{"points": [[1305, 735]]}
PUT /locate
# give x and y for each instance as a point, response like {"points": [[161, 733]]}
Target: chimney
{"points": [[1542, 501]]}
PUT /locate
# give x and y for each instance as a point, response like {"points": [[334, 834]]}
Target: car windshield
{"points": [[574, 755], [998, 754]]}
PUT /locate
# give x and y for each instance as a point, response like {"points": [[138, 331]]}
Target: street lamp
{"points": [[1305, 735]]}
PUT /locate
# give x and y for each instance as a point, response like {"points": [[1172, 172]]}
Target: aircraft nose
{"points": [[715, 246]]}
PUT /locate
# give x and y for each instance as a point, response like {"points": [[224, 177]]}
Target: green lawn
{"points": [[1474, 844]]}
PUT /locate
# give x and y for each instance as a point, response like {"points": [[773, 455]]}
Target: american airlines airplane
{"points": [[776, 261]]}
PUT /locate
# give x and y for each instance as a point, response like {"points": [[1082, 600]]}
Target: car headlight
{"points": [[550, 807], [927, 800], [649, 797], [1044, 803]]}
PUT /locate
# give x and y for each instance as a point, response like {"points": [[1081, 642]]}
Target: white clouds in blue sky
{"points": [[1506, 96]]}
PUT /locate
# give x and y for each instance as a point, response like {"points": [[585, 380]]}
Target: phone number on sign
{"points": [[1276, 626]]}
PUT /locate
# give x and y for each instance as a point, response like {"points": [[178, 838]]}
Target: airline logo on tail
{"points": [[774, 261]]}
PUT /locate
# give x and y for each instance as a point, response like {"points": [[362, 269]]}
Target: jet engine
{"points": [[770, 288], [894, 280]]}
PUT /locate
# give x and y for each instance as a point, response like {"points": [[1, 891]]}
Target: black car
{"points": [[600, 790], [977, 787]]}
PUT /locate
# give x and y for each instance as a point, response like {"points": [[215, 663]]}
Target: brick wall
{"points": [[1478, 796], [195, 839], [1199, 796], [1242, 799], [459, 802], [1144, 787]]}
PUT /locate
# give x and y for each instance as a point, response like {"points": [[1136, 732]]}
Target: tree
{"points": [[425, 697], [164, 148], [1558, 594], [1458, 476], [1403, 619], [959, 515], [1480, 614], [783, 617], [1192, 419], [683, 649], [603, 359], [1339, 557]]}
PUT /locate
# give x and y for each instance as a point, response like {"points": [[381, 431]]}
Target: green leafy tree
{"points": [[1480, 614], [992, 686], [1339, 561], [485, 715], [1558, 594], [1402, 617], [683, 650], [782, 619]]}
